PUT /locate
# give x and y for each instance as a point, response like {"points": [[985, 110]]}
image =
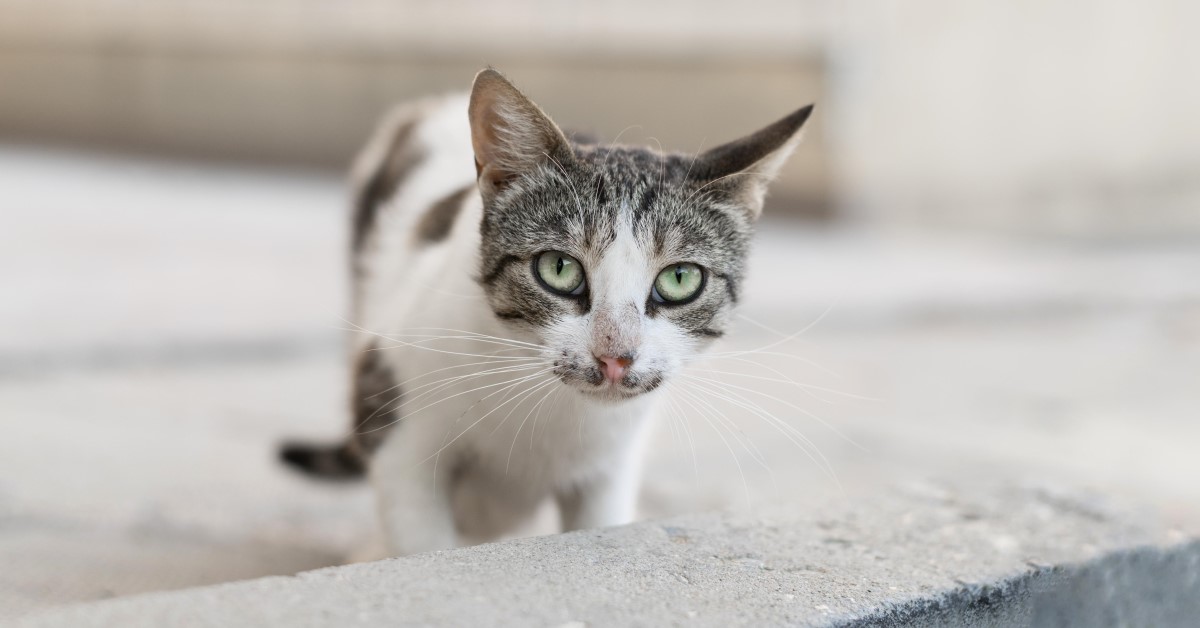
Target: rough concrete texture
{"points": [[922, 556], [164, 326]]}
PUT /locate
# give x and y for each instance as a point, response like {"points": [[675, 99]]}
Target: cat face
{"points": [[622, 262]]}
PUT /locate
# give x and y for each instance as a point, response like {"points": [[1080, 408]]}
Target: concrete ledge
{"points": [[918, 556]]}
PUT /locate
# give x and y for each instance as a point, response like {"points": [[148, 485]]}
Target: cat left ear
{"points": [[510, 134], [746, 166]]}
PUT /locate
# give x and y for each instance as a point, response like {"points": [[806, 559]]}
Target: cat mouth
{"points": [[634, 385], [590, 381]]}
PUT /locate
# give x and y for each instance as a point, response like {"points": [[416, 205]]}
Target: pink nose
{"points": [[614, 367]]}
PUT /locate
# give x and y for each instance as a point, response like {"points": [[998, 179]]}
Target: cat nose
{"points": [[614, 367]]}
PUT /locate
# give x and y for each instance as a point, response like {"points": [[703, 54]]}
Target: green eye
{"points": [[560, 272], [678, 283]]}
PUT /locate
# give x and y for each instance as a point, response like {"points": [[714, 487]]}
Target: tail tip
{"points": [[325, 462]]}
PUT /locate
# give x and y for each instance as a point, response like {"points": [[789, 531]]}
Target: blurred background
{"points": [[990, 240]]}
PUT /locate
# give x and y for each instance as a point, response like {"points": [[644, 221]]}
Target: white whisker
{"points": [[740, 358], [738, 434], [444, 399], [470, 333], [513, 446], [404, 383], [785, 339], [802, 386], [446, 382], [794, 435], [789, 404], [688, 434], [732, 453], [479, 420]]}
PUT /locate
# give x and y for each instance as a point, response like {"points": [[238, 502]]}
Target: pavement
{"points": [[165, 325], [1025, 557]]}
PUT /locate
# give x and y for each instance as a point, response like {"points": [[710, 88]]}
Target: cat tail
{"points": [[327, 462]]}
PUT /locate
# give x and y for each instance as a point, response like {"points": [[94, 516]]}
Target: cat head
{"points": [[622, 261]]}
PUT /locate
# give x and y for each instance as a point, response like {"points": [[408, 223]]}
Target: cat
{"points": [[561, 281]]}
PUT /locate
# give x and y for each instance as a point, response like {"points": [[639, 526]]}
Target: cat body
{"points": [[515, 322]]}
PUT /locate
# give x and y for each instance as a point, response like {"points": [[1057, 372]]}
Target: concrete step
{"points": [[918, 555]]}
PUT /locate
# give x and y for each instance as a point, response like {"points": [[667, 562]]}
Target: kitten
{"points": [[561, 283]]}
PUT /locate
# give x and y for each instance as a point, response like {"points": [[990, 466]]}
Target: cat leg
{"points": [[415, 505], [606, 500]]}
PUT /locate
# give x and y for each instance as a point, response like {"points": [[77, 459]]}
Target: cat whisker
{"points": [[508, 368], [694, 158], [662, 164], [512, 382], [736, 461], [507, 391], [737, 432], [500, 351], [781, 334], [550, 410], [510, 413], [795, 436], [740, 358], [671, 422], [406, 398], [486, 415], [418, 345], [424, 338], [784, 379], [513, 446], [471, 333], [786, 339], [437, 290], [805, 388], [683, 424], [445, 368], [428, 338], [759, 325], [728, 386], [613, 144]]}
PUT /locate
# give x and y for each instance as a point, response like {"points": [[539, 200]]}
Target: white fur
{"points": [[518, 451]]}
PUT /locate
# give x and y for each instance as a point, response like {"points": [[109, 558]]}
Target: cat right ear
{"points": [[510, 134], [744, 167]]}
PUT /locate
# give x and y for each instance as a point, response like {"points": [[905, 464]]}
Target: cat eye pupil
{"points": [[678, 284], [559, 273]]}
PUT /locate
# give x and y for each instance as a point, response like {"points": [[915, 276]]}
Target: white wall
{"points": [[1050, 116]]}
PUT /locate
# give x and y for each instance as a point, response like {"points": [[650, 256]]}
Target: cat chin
{"points": [[613, 394], [610, 395]]}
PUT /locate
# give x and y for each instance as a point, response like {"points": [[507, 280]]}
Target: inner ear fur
{"points": [[509, 133]]}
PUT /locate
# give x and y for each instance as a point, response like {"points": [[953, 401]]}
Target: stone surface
{"points": [[920, 556]]}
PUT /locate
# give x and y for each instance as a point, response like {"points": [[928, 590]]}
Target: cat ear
{"points": [[510, 134], [747, 165]]}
